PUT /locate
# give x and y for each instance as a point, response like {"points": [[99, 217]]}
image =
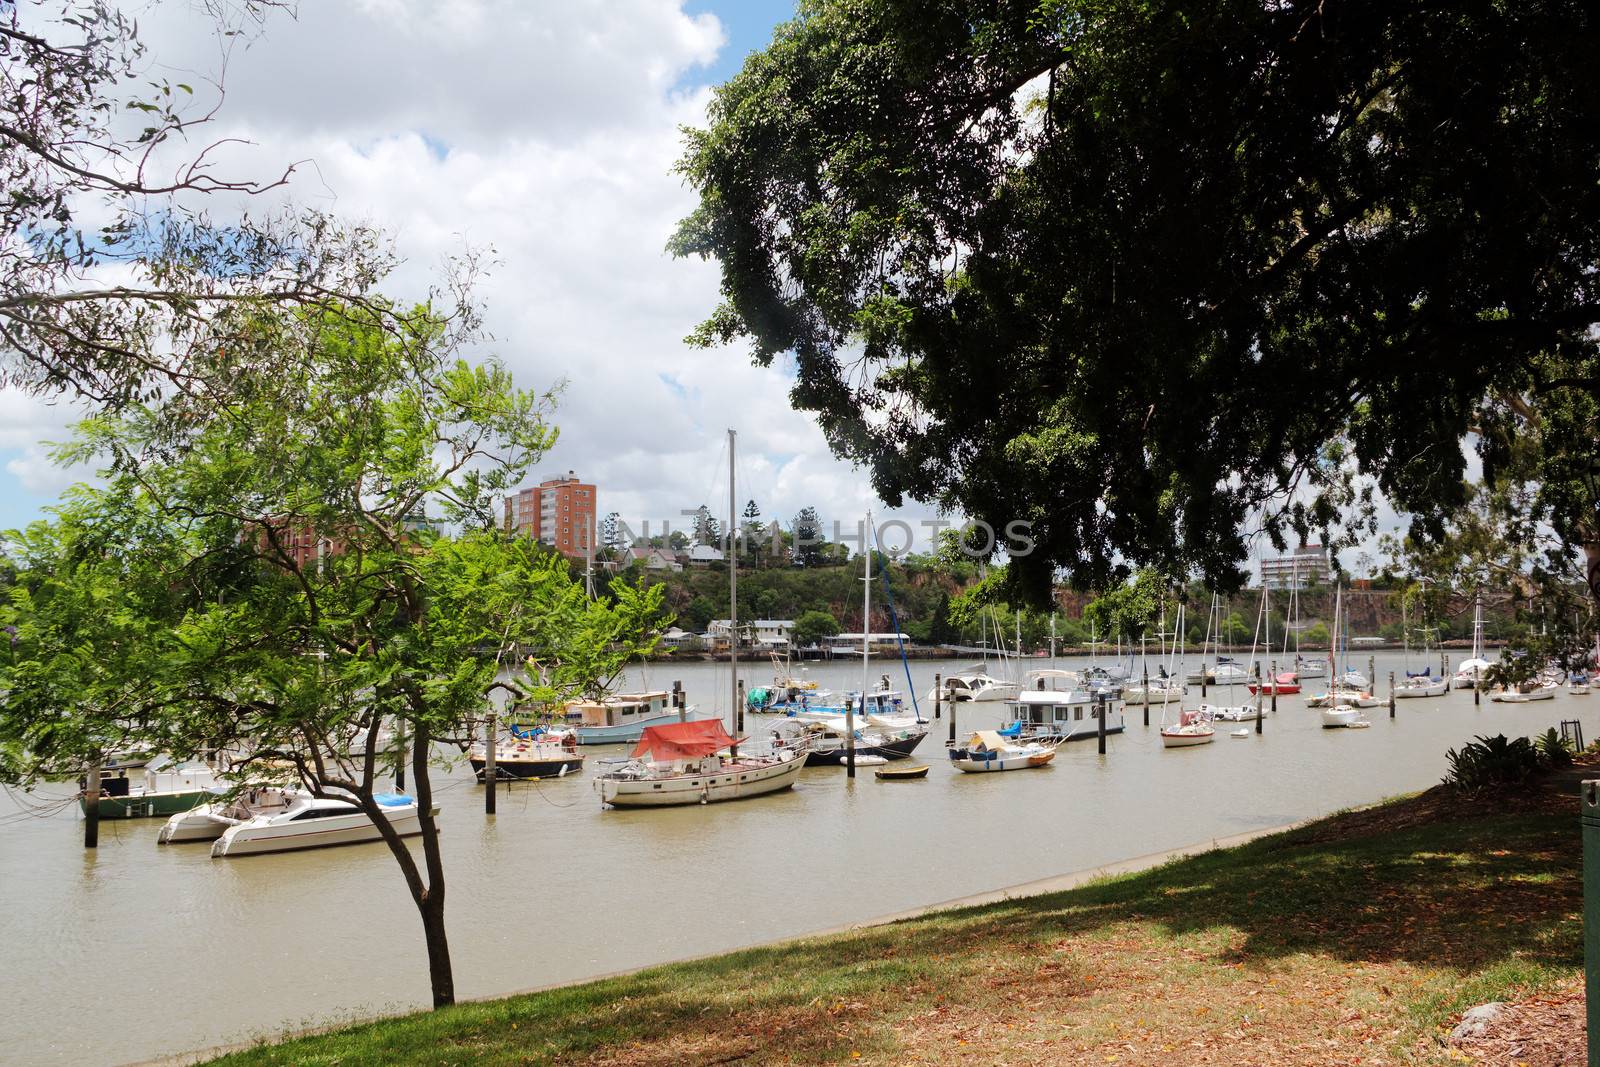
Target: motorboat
{"points": [[546, 754], [1525, 692], [1054, 708], [622, 719], [695, 762], [987, 751], [317, 822], [976, 684], [1310, 668], [163, 788], [1578, 684], [1422, 685], [210, 821]]}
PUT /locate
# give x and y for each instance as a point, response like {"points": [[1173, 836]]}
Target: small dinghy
{"points": [[896, 774], [1240, 733]]}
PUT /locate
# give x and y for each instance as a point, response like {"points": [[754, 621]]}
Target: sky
{"points": [[548, 134]]}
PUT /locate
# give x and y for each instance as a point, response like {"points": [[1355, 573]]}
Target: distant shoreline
{"points": [[923, 652]]}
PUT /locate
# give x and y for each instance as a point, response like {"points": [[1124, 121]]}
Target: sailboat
{"points": [[1469, 675], [1420, 683], [1341, 705], [698, 762], [1303, 668], [1190, 729], [1285, 683]]}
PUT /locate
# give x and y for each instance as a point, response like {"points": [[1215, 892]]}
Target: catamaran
{"points": [[316, 822]]}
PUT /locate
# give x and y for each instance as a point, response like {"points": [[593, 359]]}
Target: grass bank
{"points": [[1350, 940]]}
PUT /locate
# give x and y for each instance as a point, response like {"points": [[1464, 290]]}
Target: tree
{"points": [[611, 534], [813, 627], [808, 538], [247, 581], [940, 632], [1129, 609], [706, 529], [1134, 228], [750, 531], [114, 280]]}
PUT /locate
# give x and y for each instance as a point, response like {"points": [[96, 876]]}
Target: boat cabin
{"points": [[620, 710]]}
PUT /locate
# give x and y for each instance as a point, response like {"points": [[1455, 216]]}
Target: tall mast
{"points": [[733, 597], [866, 609]]}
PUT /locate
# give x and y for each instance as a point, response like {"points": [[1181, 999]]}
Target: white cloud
{"points": [[548, 133]]}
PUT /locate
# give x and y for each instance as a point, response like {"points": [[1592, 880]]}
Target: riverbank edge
{"points": [[1037, 887]]}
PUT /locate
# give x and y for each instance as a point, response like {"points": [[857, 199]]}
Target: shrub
{"points": [[1554, 749], [1491, 762]]}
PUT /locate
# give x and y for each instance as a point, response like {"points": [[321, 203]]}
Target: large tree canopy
{"points": [[1135, 269]]}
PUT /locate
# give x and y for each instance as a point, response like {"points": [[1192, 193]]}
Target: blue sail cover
{"points": [[1423, 673]]}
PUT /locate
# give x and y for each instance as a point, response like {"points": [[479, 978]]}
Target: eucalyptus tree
{"points": [[254, 577], [1140, 271]]}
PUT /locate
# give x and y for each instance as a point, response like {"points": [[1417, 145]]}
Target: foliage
{"points": [[1492, 762], [1128, 230], [807, 529], [1554, 750], [248, 578], [812, 627], [1129, 609], [114, 280]]}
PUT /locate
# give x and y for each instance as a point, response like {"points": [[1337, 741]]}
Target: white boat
{"points": [[210, 821], [977, 685], [1525, 693], [1187, 735], [1422, 685], [1310, 668], [1228, 712], [315, 822], [986, 751], [163, 788], [621, 719], [1578, 689], [1054, 708], [1159, 691], [1356, 698], [1340, 715], [553, 754], [684, 763], [1469, 675]]}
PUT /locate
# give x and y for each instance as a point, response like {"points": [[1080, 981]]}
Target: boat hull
{"points": [[1343, 715], [901, 774], [1187, 740], [974, 765], [731, 783], [251, 839], [528, 769], [148, 805], [1411, 692], [893, 750], [1513, 697], [623, 733]]}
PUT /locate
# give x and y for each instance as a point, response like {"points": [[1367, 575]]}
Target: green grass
{"points": [[1376, 939]]}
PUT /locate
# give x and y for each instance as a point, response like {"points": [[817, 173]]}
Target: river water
{"points": [[135, 950]]}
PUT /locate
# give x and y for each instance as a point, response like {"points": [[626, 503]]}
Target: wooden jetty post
{"points": [[938, 694], [1100, 713], [739, 717], [91, 806], [678, 703], [850, 734], [1145, 671], [490, 771], [953, 704], [1391, 694], [1274, 669]]}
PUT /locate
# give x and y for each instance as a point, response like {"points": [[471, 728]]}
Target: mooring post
{"points": [[1101, 715], [1590, 819], [850, 735], [1274, 687], [1260, 699], [1477, 691], [91, 806], [953, 703], [739, 718], [1391, 694], [400, 756], [938, 695], [490, 772], [1372, 670], [678, 702]]}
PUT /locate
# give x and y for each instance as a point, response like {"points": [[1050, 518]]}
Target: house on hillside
{"points": [[704, 555], [655, 559]]}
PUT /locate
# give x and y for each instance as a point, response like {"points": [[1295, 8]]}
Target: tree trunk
{"points": [[440, 975], [431, 902]]}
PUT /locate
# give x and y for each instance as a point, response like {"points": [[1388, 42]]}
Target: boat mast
{"points": [[866, 644], [1477, 624], [733, 602], [1019, 635]]}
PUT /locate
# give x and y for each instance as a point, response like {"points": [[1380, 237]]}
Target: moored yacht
{"points": [[162, 789], [986, 750], [1054, 707], [210, 821], [695, 763], [316, 822], [621, 719], [546, 754]]}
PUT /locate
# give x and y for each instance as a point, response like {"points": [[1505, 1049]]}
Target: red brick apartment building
{"points": [[559, 512]]}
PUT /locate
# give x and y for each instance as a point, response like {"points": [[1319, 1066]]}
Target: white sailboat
{"points": [[1469, 675], [1425, 683], [1341, 705], [699, 762], [1190, 730]]}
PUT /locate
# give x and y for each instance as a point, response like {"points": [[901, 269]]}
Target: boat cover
{"points": [[1423, 673], [683, 740], [392, 800], [986, 741]]}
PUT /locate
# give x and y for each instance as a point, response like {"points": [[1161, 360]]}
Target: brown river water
{"points": [[138, 950]]}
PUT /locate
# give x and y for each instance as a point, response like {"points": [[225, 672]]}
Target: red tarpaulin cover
{"points": [[683, 740]]}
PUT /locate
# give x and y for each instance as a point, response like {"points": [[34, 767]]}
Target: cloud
{"points": [[548, 135]]}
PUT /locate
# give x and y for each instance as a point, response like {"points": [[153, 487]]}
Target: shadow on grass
{"points": [[1467, 895]]}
